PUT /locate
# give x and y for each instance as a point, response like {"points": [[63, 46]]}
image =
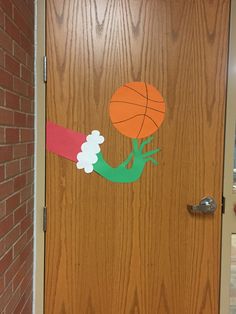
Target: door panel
{"points": [[134, 248]]}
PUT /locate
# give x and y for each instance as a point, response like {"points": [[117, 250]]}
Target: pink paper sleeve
{"points": [[64, 142]]}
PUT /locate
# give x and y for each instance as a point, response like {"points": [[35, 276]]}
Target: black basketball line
{"points": [[142, 94], [145, 113], [137, 115], [152, 121], [141, 114], [131, 103]]}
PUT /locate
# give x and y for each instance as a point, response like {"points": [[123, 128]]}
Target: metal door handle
{"points": [[206, 206]]}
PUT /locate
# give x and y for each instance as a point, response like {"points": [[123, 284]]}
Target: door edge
{"points": [[229, 218]]}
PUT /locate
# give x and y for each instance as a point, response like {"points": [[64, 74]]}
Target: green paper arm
{"points": [[122, 174]]}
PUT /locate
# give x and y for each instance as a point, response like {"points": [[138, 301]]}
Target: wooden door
{"points": [[114, 248]]}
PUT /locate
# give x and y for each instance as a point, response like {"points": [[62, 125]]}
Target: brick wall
{"points": [[16, 155]]}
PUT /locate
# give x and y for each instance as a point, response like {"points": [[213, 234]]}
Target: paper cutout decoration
{"points": [[89, 150], [136, 110], [64, 142], [67, 143], [123, 174]]}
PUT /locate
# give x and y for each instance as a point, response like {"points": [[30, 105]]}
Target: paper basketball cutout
{"points": [[137, 109]]}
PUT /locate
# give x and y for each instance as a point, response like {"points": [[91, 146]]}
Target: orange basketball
{"points": [[137, 109]]}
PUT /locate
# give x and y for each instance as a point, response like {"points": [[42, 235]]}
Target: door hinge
{"points": [[45, 69], [45, 219], [223, 205]]}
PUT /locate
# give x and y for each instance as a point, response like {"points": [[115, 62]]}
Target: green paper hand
{"points": [[122, 174]]}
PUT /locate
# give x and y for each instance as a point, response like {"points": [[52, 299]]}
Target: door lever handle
{"points": [[206, 206]]}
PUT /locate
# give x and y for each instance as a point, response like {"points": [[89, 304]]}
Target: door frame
{"points": [[39, 161], [228, 222], [229, 218]]}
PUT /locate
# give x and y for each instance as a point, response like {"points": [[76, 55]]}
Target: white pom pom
{"points": [[89, 150], [95, 133], [81, 157], [88, 168], [80, 165], [90, 158], [101, 139]]}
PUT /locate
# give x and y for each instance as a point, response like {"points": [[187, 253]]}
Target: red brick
{"points": [[19, 182], [30, 149], [27, 309], [26, 164], [26, 252], [6, 79], [2, 136], [26, 223], [20, 150], [24, 277], [20, 86], [30, 233], [12, 168], [12, 270], [12, 100], [2, 173], [26, 288], [26, 44], [21, 22], [19, 53], [27, 135], [15, 298], [1, 57], [5, 261], [2, 97], [30, 177], [1, 19], [5, 41], [26, 74], [2, 247], [2, 211], [12, 236], [2, 285], [12, 135], [5, 153], [30, 205], [19, 213], [5, 225], [6, 188], [30, 121], [21, 304], [17, 61], [12, 30], [26, 105], [12, 202], [28, 262], [6, 117], [6, 5], [31, 6], [12, 65], [23, 7], [30, 62], [20, 119], [20, 244], [31, 91], [5, 297], [26, 193]]}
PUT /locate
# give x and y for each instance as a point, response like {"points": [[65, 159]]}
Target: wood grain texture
{"points": [[134, 248]]}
